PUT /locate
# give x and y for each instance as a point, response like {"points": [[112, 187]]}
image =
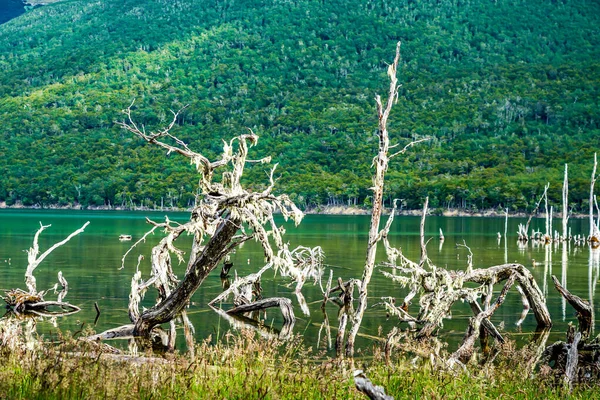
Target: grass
{"points": [[245, 366]]}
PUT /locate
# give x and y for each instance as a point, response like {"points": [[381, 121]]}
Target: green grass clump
{"points": [[246, 366]]}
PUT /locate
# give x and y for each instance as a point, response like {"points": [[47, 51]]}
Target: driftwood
{"points": [[284, 304], [565, 358], [438, 289], [364, 385], [32, 301], [441, 289], [575, 359], [122, 332]]}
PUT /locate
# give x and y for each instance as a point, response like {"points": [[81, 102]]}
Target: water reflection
{"points": [[563, 276], [239, 322], [593, 266], [547, 266]]}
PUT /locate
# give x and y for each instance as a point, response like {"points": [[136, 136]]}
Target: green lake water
{"points": [[91, 261]]}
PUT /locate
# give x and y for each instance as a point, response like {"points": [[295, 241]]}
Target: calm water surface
{"points": [[91, 262], [10, 9]]}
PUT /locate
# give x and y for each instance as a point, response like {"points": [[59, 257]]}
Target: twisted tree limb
{"points": [[224, 207], [582, 307], [465, 351]]}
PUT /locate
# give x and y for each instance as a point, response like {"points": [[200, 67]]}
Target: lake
{"points": [[10, 9], [91, 261]]}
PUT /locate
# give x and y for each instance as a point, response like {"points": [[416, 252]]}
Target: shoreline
{"points": [[321, 210], [34, 3]]}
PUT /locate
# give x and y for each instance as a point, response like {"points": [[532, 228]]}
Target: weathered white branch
{"points": [[381, 162], [465, 351], [593, 227], [284, 304], [240, 283], [565, 208], [34, 259]]}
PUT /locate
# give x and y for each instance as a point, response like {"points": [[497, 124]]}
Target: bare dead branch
{"points": [[465, 351], [34, 259], [422, 234], [582, 307], [408, 146], [239, 284]]}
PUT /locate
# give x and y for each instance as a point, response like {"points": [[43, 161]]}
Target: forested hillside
{"points": [[507, 89]]}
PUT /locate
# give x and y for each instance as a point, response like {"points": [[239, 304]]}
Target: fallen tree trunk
{"points": [[284, 304], [208, 260], [531, 290]]}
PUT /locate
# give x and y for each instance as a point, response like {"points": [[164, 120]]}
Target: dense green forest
{"points": [[507, 89]]}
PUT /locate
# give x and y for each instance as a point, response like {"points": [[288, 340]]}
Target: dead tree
{"points": [[31, 301], [523, 231], [548, 235], [576, 358], [438, 289], [381, 162], [225, 215], [565, 208], [594, 236]]}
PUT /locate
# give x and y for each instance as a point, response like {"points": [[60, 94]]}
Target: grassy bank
{"points": [[247, 367]]}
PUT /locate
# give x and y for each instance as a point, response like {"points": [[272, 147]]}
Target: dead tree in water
{"points": [[594, 236], [576, 359], [523, 231], [225, 216], [438, 289], [565, 208], [381, 165], [20, 301]]}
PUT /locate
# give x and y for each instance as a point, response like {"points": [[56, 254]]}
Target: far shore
{"points": [[39, 2], [322, 210]]}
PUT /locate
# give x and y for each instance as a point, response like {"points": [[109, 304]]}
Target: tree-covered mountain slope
{"points": [[507, 89]]}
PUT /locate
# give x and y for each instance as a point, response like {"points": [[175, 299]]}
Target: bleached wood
{"points": [[34, 258], [380, 162]]}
